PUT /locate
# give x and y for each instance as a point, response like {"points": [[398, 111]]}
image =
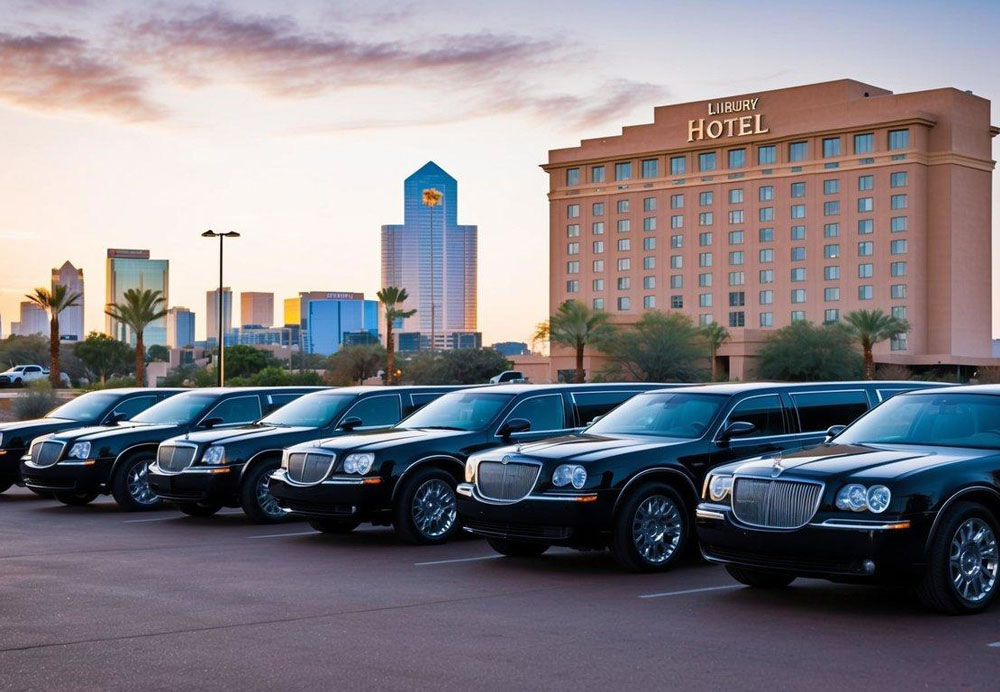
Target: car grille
{"points": [[175, 458], [508, 482], [775, 504], [46, 453], [309, 467]]}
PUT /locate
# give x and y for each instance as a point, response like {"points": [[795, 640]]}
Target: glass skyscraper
{"points": [[331, 324], [180, 327], [133, 269], [434, 259]]}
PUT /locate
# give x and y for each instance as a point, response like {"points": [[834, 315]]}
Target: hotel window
{"points": [[649, 204], [597, 228], [832, 315], [736, 216], [866, 204], [899, 139], [831, 186], [676, 201], [573, 286], [649, 282], [798, 189], [573, 230], [676, 302], [831, 251], [573, 267], [766, 193], [650, 168], [597, 209], [899, 312], [598, 266], [704, 300], [705, 280], [676, 281], [898, 343], [798, 151], [572, 176], [737, 319], [623, 171], [649, 262], [598, 303], [676, 241], [898, 224], [649, 302], [831, 294], [767, 319], [798, 274], [767, 155], [766, 214], [766, 276], [831, 230], [897, 247], [735, 237], [676, 261], [704, 239], [623, 206], [624, 303], [573, 211], [797, 232], [705, 319], [705, 259], [864, 144], [866, 182], [736, 258], [624, 245], [737, 158], [831, 147], [798, 211], [799, 295], [900, 179], [898, 291], [624, 225], [597, 174], [766, 297], [649, 223], [831, 208], [866, 226], [766, 235], [737, 278], [866, 270], [831, 273], [898, 202], [624, 283], [650, 243], [798, 254], [798, 315], [572, 248], [678, 165], [737, 299], [677, 221], [624, 264], [705, 218], [865, 292], [866, 249], [705, 199], [766, 255], [598, 284], [706, 161], [897, 269], [736, 195]]}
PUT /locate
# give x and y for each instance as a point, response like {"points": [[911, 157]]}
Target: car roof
{"points": [[218, 391], [522, 388], [731, 388], [137, 390], [969, 389], [366, 388]]}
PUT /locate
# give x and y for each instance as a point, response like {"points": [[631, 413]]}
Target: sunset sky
{"points": [[141, 124]]}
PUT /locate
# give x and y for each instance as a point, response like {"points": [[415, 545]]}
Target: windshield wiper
{"points": [[442, 427]]}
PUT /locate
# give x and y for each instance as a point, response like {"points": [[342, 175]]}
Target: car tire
{"points": [[962, 566], [19, 383], [510, 548], [760, 579], [75, 499], [197, 509], [130, 484], [335, 526], [255, 496], [651, 529], [425, 509]]}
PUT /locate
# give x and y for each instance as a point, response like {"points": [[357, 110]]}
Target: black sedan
{"points": [[907, 495], [231, 467], [94, 408], [407, 476], [78, 465]]}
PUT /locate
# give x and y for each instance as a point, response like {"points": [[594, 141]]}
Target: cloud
{"points": [[49, 72], [608, 101]]}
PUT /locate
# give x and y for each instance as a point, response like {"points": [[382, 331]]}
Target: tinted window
{"points": [[239, 409], [593, 404], [764, 412], [276, 401], [418, 400], [543, 412], [376, 411], [680, 415], [85, 409], [819, 410], [960, 420], [131, 407], [312, 410], [459, 411], [176, 410]]}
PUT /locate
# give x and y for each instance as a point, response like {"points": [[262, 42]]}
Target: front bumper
{"points": [[574, 519], [339, 497], [69, 475], [836, 548], [217, 485]]}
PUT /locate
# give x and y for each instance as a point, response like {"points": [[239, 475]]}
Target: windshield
{"points": [[314, 410], [684, 416], [177, 410], [85, 409], [459, 411], [955, 420]]}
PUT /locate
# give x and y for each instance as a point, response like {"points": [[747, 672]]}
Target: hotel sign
{"points": [[737, 126]]}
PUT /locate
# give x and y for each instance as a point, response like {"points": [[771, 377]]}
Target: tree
{"points": [[355, 364], [54, 301], [137, 310], [271, 376], [463, 366], [392, 298], [104, 355], [716, 335], [803, 352], [245, 361], [18, 350], [156, 352], [576, 326], [872, 327], [660, 347]]}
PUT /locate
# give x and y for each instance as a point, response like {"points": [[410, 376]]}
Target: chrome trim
{"points": [[475, 495], [313, 450], [339, 480], [42, 443], [77, 462], [859, 525], [711, 511], [423, 460], [657, 469], [179, 443], [964, 491], [464, 489], [783, 479]]}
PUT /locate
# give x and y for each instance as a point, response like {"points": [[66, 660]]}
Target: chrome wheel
{"points": [[138, 484], [265, 500], [434, 508], [973, 560], [656, 529]]}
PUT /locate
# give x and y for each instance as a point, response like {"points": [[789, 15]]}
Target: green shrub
{"points": [[37, 400]]}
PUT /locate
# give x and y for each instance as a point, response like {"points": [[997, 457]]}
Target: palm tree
{"points": [[576, 326], [872, 327], [391, 298], [55, 301], [716, 335], [137, 310]]}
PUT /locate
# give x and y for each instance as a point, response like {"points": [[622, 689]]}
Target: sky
{"points": [[141, 124]]}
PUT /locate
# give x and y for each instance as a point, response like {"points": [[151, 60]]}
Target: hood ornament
{"points": [[776, 468], [518, 446]]}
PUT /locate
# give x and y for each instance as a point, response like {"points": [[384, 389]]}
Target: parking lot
{"points": [[93, 597]]}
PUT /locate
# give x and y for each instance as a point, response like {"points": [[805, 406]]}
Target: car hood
{"points": [[101, 432], [585, 448], [242, 433], [388, 439], [27, 430]]}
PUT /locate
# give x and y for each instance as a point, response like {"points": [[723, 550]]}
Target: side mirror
{"points": [[833, 431], [350, 423], [737, 428], [514, 425], [211, 422]]}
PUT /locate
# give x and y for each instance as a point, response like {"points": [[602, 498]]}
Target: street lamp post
{"points": [[220, 367]]}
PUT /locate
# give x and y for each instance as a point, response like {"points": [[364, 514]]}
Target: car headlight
{"points": [[470, 470], [214, 455], [857, 498], [80, 450], [569, 474], [719, 488], [359, 463]]}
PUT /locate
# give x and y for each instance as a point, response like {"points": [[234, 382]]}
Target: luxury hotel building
{"points": [[796, 204]]}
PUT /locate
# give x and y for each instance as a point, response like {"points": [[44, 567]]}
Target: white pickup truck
{"points": [[20, 375]]}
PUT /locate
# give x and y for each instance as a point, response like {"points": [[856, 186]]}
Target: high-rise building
{"points": [[212, 313], [180, 327], [71, 318], [34, 320], [332, 323], [128, 269], [434, 259], [806, 203], [256, 309]]}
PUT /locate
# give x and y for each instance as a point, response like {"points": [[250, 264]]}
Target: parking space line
{"points": [[687, 591], [280, 535], [143, 521], [994, 645], [462, 559]]}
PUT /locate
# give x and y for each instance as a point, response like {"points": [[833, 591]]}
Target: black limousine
{"points": [[909, 495], [630, 481]]}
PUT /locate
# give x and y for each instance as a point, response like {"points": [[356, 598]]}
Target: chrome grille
{"points": [[508, 482], [46, 453], [309, 467], [775, 504], [175, 458]]}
